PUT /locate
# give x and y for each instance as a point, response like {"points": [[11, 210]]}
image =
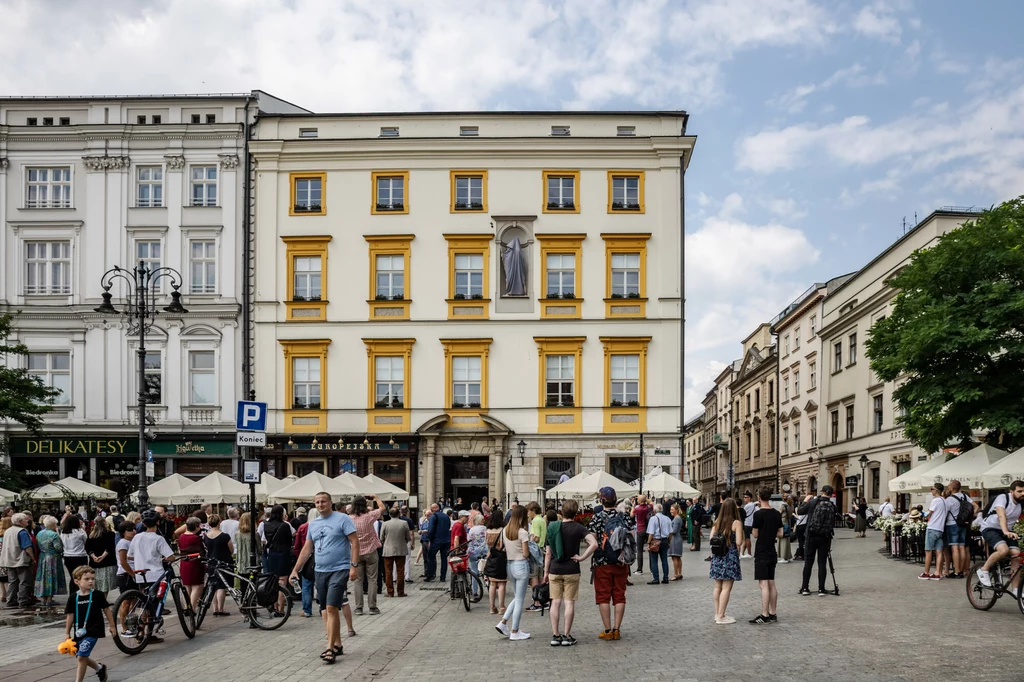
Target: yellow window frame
{"points": [[619, 243], [555, 244], [298, 247], [292, 178], [389, 245], [640, 176], [553, 419], [575, 174], [376, 175], [382, 418], [469, 244], [454, 348], [453, 175], [304, 348], [625, 419]]}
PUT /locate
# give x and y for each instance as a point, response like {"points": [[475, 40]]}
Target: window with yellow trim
{"points": [[561, 191], [307, 194], [307, 277], [468, 191], [390, 192], [625, 370], [468, 275], [389, 275], [306, 383], [626, 274], [626, 191], [466, 373]]}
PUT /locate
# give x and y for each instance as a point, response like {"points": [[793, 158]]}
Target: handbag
{"points": [[654, 544], [496, 558]]}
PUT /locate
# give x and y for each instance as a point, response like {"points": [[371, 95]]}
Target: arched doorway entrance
{"points": [[837, 486], [812, 485]]}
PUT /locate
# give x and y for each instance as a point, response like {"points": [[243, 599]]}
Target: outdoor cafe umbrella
{"points": [[1005, 471], [969, 468], [388, 491], [269, 484], [214, 489], [304, 489], [160, 491], [70, 486], [911, 481], [7, 495], [567, 488], [586, 487], [665, 483]]}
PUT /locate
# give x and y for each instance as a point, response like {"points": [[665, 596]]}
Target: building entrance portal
{"points": [[466, 477]]}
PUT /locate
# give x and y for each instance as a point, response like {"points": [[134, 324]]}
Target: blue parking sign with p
{"points": [[251, 416]]}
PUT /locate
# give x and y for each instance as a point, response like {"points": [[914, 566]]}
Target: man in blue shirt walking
{"points": [[438, 542]]}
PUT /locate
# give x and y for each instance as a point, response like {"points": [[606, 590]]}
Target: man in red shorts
{"points": [[610, 571]]}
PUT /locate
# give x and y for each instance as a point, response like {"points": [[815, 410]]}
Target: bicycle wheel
{"points": [[477, 591], [264, 617], [203, 607], [130, 622], [981, 597], [186, 616], [464, 588]]}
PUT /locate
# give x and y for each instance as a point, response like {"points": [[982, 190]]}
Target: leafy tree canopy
{"points": [[23, 397], [956, 334]]}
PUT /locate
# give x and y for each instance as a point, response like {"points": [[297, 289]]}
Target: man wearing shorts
{"points": [[956, 535], [610, 578], [995, 528], [332, 540], [935, 535], [749, 508], [563, 575], [766, 528]]}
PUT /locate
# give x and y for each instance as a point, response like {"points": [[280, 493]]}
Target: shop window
{"points": [[624, 468]]}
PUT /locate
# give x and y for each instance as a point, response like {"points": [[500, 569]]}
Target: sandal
{"points": [[327, 656], [351, 633], [339, 650]]}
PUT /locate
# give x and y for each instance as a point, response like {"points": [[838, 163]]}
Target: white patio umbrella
{"points": [[666, 484], [160, 491], [911, 481], [1005, 471], [214, 489], [304, 489], [269, 484], [75, 486], [7, 495], [586, 487], [388, 491], [563, 489], [969, 468]]}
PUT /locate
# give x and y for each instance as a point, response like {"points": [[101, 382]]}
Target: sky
{"points": [[822, 127]]}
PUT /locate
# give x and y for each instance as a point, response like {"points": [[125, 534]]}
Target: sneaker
{"points": [[502, 628], [654, 582], [760, 620], [959, 576], [925, 576], [638, 572], [984, 577], [934, 576], [728, 620], [516, 636], [374, 611], [358, 611], [568, 640], [556, 640], [783, 561], [101, 673], [532, 607], [607, 634], [773, 618], [804, 592], [822, 593], [746, 556]]}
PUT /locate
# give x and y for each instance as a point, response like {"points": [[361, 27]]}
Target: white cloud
{"points": [[787, 207], [980, 142], [854, 76], [878, 21]]}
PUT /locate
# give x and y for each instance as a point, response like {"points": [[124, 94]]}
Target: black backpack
{"points": [[719, 544], [965, 514], [822, 519], [989, 508], [266, 590]]}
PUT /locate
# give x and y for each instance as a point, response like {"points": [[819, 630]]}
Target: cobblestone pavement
{"points": [[886, 625]]}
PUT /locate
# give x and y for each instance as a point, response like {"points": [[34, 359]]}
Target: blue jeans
{"points": [[432, 560], [307, 596], [662, 553], [518, 582]]}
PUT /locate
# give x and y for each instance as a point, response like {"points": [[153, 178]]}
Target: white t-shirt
{"points": [[886, 509], [1004, 500], [749, 508], [74, 542], [123, 544], [953, 503], [937, 514], [147, 550], [229, 526]]}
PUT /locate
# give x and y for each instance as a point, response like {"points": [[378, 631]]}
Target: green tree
{"points": [[956, 333], [23, 397]]}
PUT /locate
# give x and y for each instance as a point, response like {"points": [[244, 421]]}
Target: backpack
{"points": [[617, 544], [822, 519], [555, 540], [990, 507], [965, 514], [719, 544]]}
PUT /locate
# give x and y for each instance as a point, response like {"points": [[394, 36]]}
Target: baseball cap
{"points": [[463, 513]]}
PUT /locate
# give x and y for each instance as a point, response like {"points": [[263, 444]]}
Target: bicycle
{"points": [[263, 617], [462, 581], [139, 613], [1003, 576]]}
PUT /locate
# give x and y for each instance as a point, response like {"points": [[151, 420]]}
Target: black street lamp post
{"points": [[143, 286], [863, 484]]}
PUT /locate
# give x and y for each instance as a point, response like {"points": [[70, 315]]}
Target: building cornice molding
{"points": [[105, 163]]}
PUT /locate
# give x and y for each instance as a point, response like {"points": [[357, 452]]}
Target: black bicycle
{"points": [[1002, 576], [138, 613], [220, 575]]}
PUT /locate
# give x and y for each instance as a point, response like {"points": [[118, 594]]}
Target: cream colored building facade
{"points": [[470, 304], [754, 445], [857, 414], [693, 446]]}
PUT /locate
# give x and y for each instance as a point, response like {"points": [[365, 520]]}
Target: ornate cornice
{"points": [[105, 163], [174, 163], [228, 161]]}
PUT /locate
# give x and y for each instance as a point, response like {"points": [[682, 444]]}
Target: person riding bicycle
{"points": [[995, 528], [147, 552]]}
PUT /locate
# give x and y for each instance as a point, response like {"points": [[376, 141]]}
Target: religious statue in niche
{"points": [[513, 262]]}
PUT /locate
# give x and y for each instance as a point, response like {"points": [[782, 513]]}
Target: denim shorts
{"points": [[956, 535], [933, 541], [85, 646], [332, 588]]}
